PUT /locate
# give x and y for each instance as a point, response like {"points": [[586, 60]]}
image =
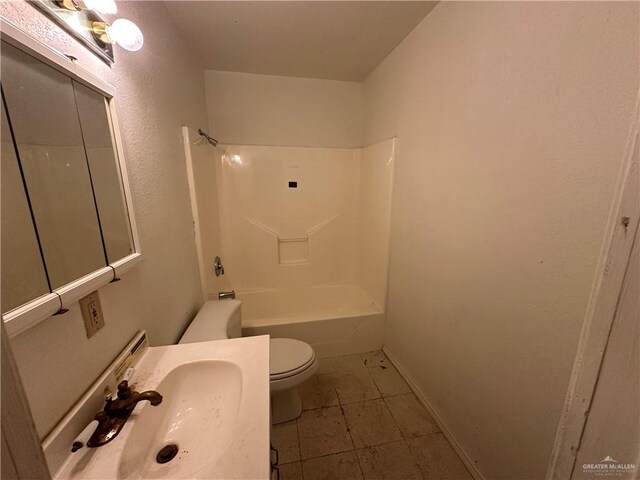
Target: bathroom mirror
{"points": [[107, 186], [46, 129], [23, 275], [66, 219]]}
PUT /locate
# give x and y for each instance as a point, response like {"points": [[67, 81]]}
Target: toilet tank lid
{"points": [[211, 321]]}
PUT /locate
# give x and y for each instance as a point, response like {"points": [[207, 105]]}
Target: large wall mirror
{"points": [[65, 209]]}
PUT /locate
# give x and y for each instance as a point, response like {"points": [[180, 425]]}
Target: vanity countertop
{"points": [[215, 408]]}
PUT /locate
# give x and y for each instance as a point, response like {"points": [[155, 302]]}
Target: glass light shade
{"points": [[126, 34], [108, 7]]}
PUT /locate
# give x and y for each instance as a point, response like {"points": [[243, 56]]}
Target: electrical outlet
{"points": [[92, 313]]}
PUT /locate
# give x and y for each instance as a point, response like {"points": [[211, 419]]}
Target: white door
{"points": [[610, 446]]}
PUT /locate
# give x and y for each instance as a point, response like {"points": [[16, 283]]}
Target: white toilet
{"points": [[292, 361]]}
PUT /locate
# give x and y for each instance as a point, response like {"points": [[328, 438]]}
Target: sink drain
{"points": [[167, 453]]}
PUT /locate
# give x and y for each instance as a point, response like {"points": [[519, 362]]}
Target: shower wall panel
{"points": [[288, 215], [294, 217]]}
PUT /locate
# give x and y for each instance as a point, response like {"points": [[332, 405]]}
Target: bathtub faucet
{"points": [[225, 295]]}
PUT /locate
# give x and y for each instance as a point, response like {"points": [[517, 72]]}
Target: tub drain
{"points": [[167, 453]]}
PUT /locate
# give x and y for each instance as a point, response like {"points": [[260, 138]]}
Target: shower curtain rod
{"points": [[208, 137]]}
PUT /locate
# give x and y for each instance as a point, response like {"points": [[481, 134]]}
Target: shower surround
{"points": [[305, 240]]}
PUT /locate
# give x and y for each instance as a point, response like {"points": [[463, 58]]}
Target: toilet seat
{"points": [[289, 357]]}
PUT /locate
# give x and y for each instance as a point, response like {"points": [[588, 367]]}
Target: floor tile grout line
{"points": [[352, 442], [299, 450], [364, 448], [366, 369], [360, 401], [344, 416], [328, 455], [357, 401], [393, 416], [331, 454], [355, 452], [394, 419], [404, 439], [349, 428], [377, 387], [302, 460], [372, 377], [378, 444], [340, 402]]}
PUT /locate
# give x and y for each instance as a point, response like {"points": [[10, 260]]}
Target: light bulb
{"points": [[126, 34], [108, 7]]}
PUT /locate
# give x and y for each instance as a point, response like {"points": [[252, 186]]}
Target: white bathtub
{"points": [[335, 320]]}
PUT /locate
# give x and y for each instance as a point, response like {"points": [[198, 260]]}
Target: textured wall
{"points": [[159, 88], [512, 120], [249, 109]]}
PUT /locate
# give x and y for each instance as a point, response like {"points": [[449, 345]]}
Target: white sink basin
{"points": [[198, 415], [215, 410]]}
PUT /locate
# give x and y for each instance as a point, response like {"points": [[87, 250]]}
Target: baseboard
{"points": [[471, 466]]}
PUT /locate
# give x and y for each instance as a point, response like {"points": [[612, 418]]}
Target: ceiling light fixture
{"points": [[121, 32], [107, 7], [72, 5]]}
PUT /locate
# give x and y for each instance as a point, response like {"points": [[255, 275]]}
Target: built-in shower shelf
{"points": [[293, 251]]}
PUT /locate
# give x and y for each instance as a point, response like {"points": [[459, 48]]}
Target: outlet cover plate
{"points": [[92, 313]]}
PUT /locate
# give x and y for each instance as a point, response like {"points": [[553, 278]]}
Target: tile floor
{"points": [[360, 420]]}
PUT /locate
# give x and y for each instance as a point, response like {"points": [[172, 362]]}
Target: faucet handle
{"points": [[101, 416], [124, 390], [218, 269]]}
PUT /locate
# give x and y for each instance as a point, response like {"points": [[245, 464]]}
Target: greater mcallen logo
{"points": [[608, 467]]}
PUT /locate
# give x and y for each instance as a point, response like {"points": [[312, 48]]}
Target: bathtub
{"points": [[334, 320]]}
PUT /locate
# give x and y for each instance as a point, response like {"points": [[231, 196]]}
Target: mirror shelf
{"points": [[111, 200], [30, 314]]}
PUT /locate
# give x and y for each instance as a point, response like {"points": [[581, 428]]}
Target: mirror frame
{"points": [[26, 316]]}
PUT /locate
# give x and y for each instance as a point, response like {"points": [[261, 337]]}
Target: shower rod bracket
{"points": [[208, 137]]}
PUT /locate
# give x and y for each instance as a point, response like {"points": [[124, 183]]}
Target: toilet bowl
{"points": [[291, 361]]}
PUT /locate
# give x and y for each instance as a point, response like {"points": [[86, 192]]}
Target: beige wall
{"points": [[159, 88], [512, 120], [249, 109]]}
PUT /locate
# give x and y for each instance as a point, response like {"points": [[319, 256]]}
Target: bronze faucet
{"points": [[116, 412]]}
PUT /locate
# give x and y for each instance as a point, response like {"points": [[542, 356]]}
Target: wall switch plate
{"points": [[92, 313]]}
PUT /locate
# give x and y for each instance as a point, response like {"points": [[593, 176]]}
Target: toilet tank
{"points": [[216, 320]]}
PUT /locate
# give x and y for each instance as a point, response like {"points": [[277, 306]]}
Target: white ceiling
{"points": [[339, 40]]}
